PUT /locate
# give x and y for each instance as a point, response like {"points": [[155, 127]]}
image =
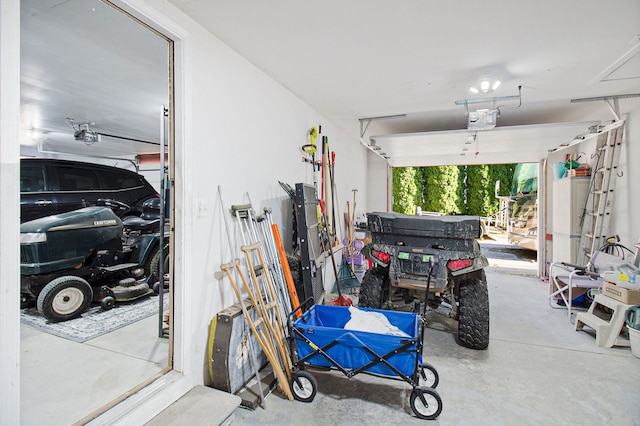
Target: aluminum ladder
{"points": [[597, 211]]}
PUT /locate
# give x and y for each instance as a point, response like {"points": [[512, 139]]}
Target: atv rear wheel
{"points": [[64, 298], [374, 287], [473, 322]]}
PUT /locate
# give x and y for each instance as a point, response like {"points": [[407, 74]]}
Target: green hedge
{"points": [[404, 190], [451, 189]]}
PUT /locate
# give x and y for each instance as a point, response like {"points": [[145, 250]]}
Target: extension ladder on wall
{"points": [[597, 212]]}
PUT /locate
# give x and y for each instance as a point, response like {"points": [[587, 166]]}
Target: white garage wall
{"points": [[242, 131], [625, 221], [10, 217], [379, 180]]}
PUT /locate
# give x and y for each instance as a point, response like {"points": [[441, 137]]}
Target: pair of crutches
{"points": [[267, 328]]}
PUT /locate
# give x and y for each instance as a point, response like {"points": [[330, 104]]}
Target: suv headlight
{"points": [[33, 237]]}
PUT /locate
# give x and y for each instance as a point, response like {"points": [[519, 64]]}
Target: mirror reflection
{"points": [[94, 290]]}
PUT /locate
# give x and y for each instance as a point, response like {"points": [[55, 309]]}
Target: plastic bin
{"points": [[634, 339]]}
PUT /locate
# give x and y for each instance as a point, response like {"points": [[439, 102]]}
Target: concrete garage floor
{"points": [[537, 370], [62, 381]]}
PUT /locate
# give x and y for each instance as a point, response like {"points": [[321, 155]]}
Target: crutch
{"points": [[253, 231], [268, 303], [271, 252], [253, 359], [249, 233], [256, 327]]}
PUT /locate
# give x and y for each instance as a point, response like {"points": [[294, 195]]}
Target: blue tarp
{"points": [[525, 179], [324, 324]]}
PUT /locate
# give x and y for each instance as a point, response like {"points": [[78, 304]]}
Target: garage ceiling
{"points": [[84, 60], [352, 60]]}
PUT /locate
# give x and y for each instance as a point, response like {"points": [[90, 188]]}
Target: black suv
{"points": [[50, 186]]}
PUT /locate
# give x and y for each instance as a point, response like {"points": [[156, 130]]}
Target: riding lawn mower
{"points": [[71, 259]]}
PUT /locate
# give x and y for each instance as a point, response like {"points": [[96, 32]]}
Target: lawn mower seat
{"points": [[148, 221]]}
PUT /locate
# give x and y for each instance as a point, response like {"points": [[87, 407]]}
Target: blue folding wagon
{"points": [[319, 339]]}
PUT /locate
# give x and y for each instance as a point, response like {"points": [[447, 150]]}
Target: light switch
{"points": [[202, 207]]}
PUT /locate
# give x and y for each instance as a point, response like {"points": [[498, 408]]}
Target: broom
{"points": [[342, 299]]}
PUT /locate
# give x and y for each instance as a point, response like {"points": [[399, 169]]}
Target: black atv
{"points": [[404, 250]]}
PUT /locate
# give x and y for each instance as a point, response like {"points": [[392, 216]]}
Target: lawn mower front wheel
{"points": [[64, 298]]}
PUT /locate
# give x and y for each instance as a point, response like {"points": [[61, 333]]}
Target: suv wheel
{"points": [[374, 287], [473, 322]]}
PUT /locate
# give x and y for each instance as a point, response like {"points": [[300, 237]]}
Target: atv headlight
{"points": [[33, 237]]}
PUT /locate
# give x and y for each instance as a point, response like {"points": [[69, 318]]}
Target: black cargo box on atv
{"points": [[457, 227]]}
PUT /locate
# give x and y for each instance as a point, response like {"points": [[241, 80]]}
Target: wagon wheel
{"points": [[428, 376], [425, 403], [303, 386], [64, 298]]}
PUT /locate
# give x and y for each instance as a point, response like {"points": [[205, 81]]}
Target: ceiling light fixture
{"points": [[485, 119], [486, 85]]}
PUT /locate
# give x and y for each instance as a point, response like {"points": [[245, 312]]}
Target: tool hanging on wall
{"points": [[327, 206], [310, 149], [342, 299], [351, 218], [334, 195]]}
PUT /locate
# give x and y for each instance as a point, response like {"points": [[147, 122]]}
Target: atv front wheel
{"points": [[374, 287], [473, 322], [64, 298]]}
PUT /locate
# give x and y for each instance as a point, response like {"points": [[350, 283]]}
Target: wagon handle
{"points": [[305, 315], [433, 261]]}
